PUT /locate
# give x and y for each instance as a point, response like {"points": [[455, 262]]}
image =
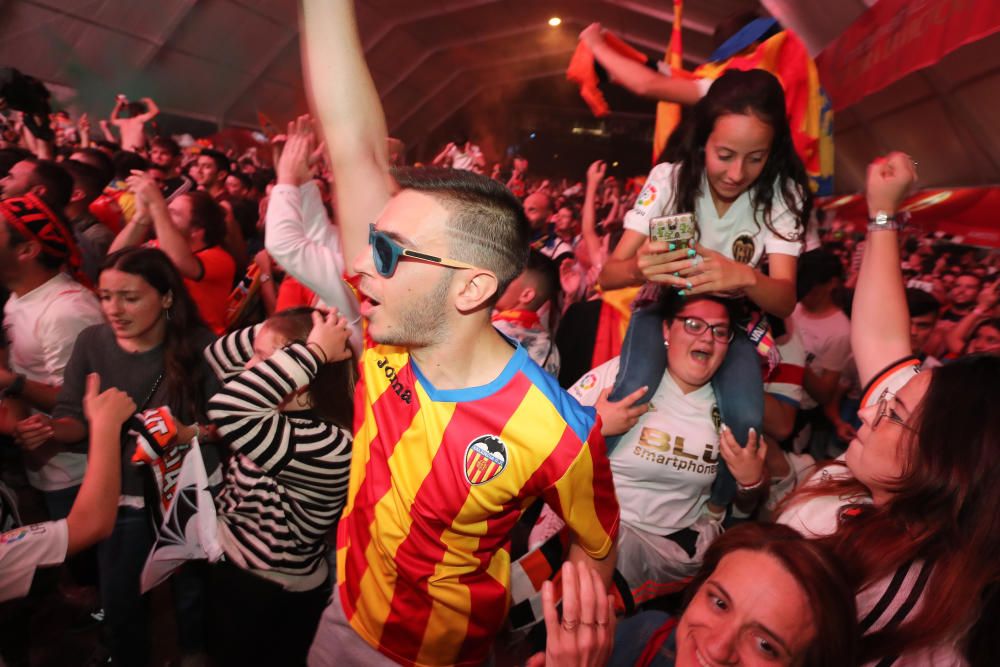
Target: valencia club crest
{"points": [[485, 458]]}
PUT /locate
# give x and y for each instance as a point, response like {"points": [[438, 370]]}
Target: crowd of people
{"points": [[462, 415]]}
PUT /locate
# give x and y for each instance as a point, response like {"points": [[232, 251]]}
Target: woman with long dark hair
{"points": [[286, 411], [150, 348], [734, 167], [912, 507]]}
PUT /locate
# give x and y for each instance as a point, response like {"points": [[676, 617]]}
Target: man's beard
{"points": [[423, 321]]}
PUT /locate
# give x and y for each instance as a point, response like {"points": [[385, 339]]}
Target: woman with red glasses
{"points": [[911, 508], [667, 459]]}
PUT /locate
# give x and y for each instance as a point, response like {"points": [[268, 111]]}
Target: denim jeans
{"points": [[58, 503], [120, 560], [738, 385], [126, 613]]}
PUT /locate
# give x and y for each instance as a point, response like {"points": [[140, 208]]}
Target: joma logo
{"points": [[396, 385]]}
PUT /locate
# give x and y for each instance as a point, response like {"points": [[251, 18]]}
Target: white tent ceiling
{"points": [[225, 60]]}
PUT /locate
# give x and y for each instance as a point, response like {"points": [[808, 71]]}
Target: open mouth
{"points": [[701, 355]]}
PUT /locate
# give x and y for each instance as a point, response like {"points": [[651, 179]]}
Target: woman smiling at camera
{"points": [[765, 596]]}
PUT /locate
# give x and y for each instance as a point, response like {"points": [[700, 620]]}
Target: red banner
{"points": [[965, 215], [896, 37]]}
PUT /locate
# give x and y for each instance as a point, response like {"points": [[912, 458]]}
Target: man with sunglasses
{"points": [[457, 429]]}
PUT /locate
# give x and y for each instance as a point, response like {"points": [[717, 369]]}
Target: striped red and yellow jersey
{"points": [[438, 480]]}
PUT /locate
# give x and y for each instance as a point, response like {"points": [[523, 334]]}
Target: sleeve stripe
{"points": [[880, 378]]}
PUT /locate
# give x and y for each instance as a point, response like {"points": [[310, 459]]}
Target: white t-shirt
{"points": [[664, 467], [42, 327], [737, 235], [785, 383], [24, 550], [827, 341], [467, 160]]}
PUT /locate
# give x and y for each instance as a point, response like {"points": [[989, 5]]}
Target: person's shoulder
{"points": [[663, 170], [203, 336], [596, 379], [580, 419], [96, 334], [819, 515]]}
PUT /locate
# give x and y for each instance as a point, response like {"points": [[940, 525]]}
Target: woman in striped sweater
{"points": [[286, 412]]}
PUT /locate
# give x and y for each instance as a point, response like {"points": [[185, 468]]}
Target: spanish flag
{"points": [[612, 323]]}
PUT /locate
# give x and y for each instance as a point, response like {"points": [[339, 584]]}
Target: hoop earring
{"points": [[167, 311]]}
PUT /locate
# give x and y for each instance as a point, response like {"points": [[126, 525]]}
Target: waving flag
{"points": [[189, 530]]}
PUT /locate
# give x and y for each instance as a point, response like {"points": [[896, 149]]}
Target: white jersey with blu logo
{"points": [[664, 466]]}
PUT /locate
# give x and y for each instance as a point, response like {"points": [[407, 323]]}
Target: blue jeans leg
{"points": [[58, 503], [119, 560], [189, 585], [739, 392]]}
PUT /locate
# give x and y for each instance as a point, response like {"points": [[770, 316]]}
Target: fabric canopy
{"points": [[965, 215]]}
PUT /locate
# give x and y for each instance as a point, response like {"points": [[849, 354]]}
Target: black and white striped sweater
{"points": [[286, 483]]}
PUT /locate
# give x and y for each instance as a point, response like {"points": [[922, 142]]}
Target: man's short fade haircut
{"points": [[86, 177], [98, 159], [56, 180], [487, 223]]}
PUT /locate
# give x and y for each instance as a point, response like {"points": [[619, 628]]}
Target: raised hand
{"points": [[146, 190], [890, 179], [591, 34], [294, 166], [112, 406], [595, 174], [585, 636]]}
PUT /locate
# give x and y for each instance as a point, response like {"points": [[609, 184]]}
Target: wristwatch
{"points": [[882, 221]]}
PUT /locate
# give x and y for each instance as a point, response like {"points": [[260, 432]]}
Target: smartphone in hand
{"points": [[678, 229]]}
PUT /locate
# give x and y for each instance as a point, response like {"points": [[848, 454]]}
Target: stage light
{"points": [[555, 21]]}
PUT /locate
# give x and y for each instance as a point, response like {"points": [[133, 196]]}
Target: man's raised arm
{"points": [[350, 117]]}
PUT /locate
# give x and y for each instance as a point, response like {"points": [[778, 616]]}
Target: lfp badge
{"points": [[485, 458]]}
